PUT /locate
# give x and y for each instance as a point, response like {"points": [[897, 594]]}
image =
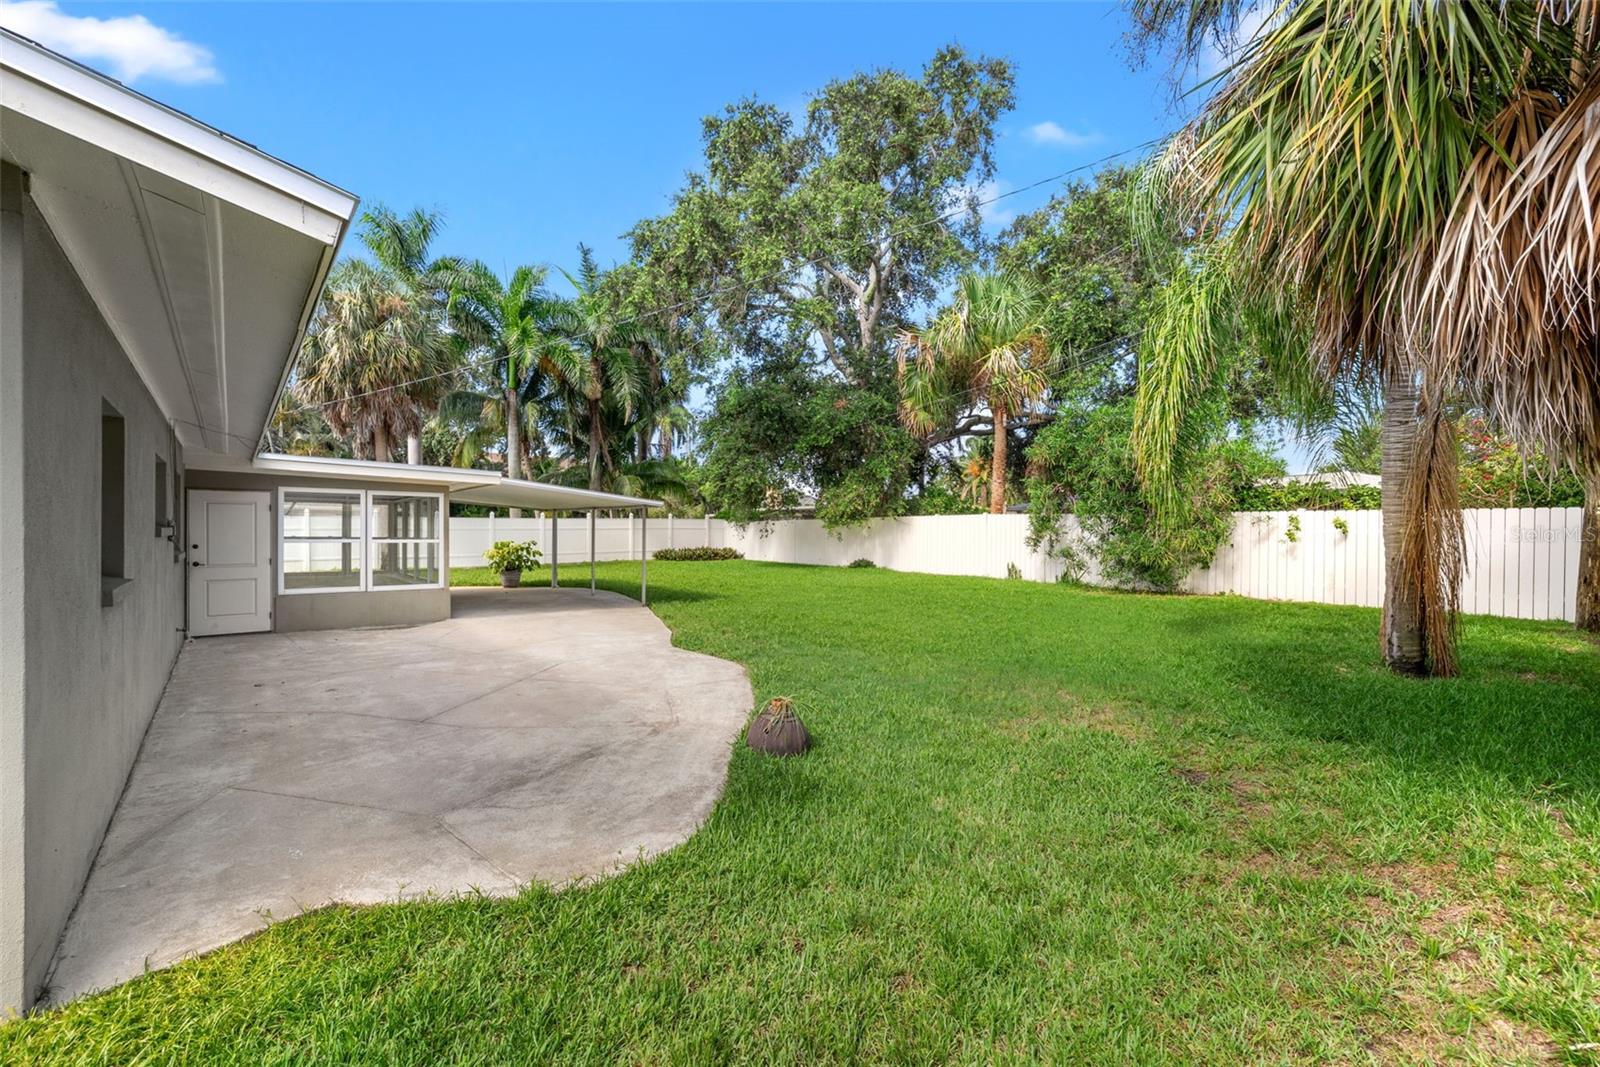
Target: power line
{"points": [[774, 277]]}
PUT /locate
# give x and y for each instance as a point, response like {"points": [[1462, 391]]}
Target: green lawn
{"points": [[1038, 822]]}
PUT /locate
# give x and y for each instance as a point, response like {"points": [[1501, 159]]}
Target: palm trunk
{"points": [[380, 443], [653, 383], [666, 442], [1588, 616], [1404, 632], [997, 468], [413, 449], [513, 441], [594, 444]]}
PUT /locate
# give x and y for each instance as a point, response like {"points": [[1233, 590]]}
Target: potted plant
{"points": [[511, 558]]}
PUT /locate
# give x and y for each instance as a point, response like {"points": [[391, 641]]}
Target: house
{"points": [[156, 279]]}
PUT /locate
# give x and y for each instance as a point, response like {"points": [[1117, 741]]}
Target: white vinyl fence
{"points": [[1521, 563], [614, 538]]}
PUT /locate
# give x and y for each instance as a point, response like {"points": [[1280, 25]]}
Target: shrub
{"points": [[1083, 464], [862, 562], [513, 556], [696, 554]]}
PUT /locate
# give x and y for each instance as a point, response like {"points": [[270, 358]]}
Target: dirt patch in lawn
{"points": [[1497, 1040], [1434, 920], [1066, 709]]}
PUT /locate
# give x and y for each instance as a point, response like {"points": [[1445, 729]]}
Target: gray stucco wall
{"points": [[13, 689], [93, 674], [328, 611]]}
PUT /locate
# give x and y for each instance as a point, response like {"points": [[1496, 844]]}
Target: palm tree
{"points": [[1322, 169], [1510, 298], [666, 480], [300, 430], [672, 422], [498, 324], [373, 360], [990, 345], [591, 359], [662, 412], [400, 245], [1350, 438]]}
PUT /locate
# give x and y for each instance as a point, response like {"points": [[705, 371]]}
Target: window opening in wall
{"points": [[163, 516], [113, 451]]}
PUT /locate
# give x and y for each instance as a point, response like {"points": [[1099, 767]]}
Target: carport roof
{"points": [[465, 485]]}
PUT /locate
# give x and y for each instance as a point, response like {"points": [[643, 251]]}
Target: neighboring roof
{"points": [[1341, 479], [465, 485], [204, 255]]}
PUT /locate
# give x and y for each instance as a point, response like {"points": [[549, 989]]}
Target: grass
{"points": [[1038, 822]]}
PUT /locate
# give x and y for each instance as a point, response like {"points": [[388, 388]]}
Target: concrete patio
{"points": [[537, 735]]}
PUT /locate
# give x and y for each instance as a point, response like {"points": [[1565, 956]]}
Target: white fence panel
{"points": [[1520, 563], [980, 545], [614, 538]]}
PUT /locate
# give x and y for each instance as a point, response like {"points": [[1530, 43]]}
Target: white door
{"points": [[230, 562]]}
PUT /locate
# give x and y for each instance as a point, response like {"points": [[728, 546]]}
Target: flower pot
{"points": [[510, 579]]}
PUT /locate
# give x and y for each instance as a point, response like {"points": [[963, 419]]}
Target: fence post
{"points": [[670, 542]]}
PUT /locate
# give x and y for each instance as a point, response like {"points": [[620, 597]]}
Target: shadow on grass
{"points": [[1525, 710]]}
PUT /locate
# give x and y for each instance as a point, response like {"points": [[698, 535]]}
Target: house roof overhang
{"points": [[205, 255], [465, 485]]}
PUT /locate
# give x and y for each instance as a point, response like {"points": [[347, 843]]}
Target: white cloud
{"points": [[1052, 133], [129, 47], [1216, 58]]}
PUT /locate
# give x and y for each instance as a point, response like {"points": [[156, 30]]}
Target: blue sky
{"points": [[534, 127]]}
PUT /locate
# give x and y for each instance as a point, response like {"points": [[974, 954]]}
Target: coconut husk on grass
{"points": [[778, 731]]}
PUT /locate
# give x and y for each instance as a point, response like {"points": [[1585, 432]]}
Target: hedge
{"points": [[696, 554]]}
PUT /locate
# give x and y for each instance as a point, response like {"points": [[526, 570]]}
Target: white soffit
{"points": [[204, 255]]}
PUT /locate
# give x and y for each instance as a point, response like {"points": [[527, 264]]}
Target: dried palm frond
{"points": [[1510, 302], [1542, 349], [1456, 286], [1432, 551]]}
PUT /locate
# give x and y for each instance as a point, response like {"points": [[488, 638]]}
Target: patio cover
{"points": [[465, 485]]}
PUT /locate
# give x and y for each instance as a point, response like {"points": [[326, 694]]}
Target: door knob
{"points": [[194, 563]]}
